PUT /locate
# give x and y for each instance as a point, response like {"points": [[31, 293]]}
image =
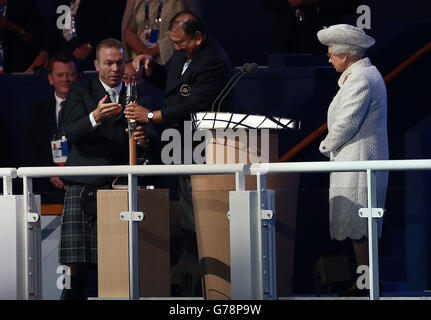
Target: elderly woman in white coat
{"points": [[357, 130]]}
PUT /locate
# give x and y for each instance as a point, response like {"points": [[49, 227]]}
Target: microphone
{"points": [[246, 68], [131, 97], [242, 70]]}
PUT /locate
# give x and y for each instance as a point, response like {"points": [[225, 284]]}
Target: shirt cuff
{"points": [[93, 122]]}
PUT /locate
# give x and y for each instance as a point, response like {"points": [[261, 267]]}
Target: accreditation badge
{"points": [[60, 151], [185, 90], [150, 37]]}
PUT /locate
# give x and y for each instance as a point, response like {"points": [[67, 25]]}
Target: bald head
{"points": [[187, 32], [189, 22]]}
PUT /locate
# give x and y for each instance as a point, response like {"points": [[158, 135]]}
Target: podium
{"points": [[211, 205], [113, 245]]}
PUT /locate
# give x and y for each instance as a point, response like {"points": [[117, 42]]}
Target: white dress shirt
{"points": [[186, 65]]}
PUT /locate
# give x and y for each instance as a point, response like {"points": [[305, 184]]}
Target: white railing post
{"points": [[266, 240], [261, 188], [242, 217], [373, 250], [239, 181], [133, 219], [7, 185], [31, 245], [7, 175], [372, 213]]}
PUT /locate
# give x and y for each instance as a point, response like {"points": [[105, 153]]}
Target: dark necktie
{"points": [[60, 126]]}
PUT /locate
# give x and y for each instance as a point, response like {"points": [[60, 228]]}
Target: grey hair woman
{"points": [[357, 130]]}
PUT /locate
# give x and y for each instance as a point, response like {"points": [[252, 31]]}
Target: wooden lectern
{"points": [[113, 246], [211, 204]]}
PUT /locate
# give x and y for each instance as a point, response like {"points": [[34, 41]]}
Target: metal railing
{"points": [[371, 212], [240, 170], [132, 216]]}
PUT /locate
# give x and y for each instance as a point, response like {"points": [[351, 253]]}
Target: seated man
{"points": [[45, 121]]}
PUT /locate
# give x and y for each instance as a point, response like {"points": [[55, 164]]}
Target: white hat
{"points": [[345, 34]]}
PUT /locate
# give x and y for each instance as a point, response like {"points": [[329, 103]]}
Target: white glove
{"points": [[322, 149]]}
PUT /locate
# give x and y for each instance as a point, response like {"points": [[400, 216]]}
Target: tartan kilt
{"points": [[78, 238]]}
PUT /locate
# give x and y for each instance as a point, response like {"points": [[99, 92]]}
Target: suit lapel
{"points": [[122, 101], [99, 91], [175, 78]]}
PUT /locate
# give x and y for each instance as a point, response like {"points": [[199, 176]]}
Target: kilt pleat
{"points": [[78, 239]]}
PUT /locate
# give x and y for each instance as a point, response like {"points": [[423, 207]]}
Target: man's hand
{"points": [[106, 110], [83, 52], [136, 112], [56, 181], [140, 137], [145, 60]]}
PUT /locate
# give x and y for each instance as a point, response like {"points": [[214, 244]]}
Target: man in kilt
{"points": [[95, 129]]}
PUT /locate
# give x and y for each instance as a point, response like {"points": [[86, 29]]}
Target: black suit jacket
{"points": [[41, 127], [197, 88], [106, 144]]}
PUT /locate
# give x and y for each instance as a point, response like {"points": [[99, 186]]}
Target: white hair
{"points": [[349, 49]]}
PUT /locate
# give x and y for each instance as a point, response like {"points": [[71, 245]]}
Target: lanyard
{"points": [[147, 10]]}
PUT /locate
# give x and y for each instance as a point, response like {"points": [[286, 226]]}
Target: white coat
{"points": [[357, 130]]}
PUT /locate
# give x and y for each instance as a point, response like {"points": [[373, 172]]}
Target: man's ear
{"points": [[97, 65], [198, 38], [50, 79]]}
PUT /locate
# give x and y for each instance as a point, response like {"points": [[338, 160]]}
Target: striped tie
{"points": [[113, 95]]}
